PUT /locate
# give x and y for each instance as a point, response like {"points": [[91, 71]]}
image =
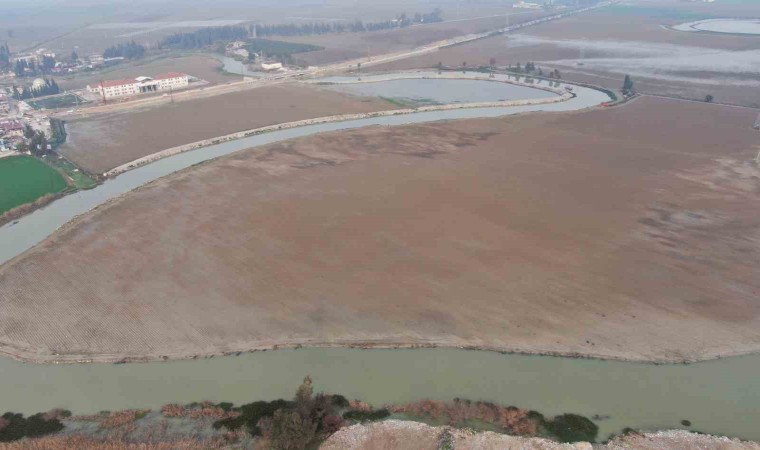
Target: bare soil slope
{"points": [[629, 232], [104, 142]]}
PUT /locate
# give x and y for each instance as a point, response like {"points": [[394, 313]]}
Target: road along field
{"points": [[344, 46], [602, 46], [101, 143], [600, 233], [24, 179]]}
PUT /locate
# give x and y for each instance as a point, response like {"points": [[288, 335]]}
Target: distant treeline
{"points": [[50, 88], [204, 37], [22, 68], [130, 50], [5, 57], [358, 26], [279, 50]]}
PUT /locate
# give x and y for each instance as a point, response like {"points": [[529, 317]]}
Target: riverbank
{"points": [[561, 95]]}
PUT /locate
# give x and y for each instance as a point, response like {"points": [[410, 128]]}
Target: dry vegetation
{"points": [[104, 142], [600, 233], [514, 421], [86, 443]]}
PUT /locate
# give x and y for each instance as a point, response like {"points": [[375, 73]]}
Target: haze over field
{"points": [[532, 224]]}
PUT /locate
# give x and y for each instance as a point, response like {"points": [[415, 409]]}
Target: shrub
{"points": [[366, 416], [251, 413], [339, 401], [226, 406], [16, 427], [572, 428]]}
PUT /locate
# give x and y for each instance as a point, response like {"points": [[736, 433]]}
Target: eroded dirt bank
{"points": [[600, 233]]}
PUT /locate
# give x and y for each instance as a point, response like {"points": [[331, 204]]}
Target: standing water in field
{"points": [[441, 91]]}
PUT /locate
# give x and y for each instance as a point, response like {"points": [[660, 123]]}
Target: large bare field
{"points": [[200, 66], [602, 46], [101, 143], [628, 232], [346, 46]]}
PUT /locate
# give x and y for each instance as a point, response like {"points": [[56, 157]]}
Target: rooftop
{"points": [[167, 75]]}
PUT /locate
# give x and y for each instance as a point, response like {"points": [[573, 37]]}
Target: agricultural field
{"points": [[101, 143], [599, 233], [57, 101], [24, 179], [602, 46]]}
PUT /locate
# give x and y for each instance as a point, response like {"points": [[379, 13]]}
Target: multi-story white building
{"points": [[140, 85]]}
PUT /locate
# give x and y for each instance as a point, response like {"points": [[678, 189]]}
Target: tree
{"points": [[38, 144], [28, 131], [709, 98], [302, 400], [627, 85], [290, 431]]}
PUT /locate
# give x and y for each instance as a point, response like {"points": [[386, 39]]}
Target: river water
{"points": [[722, 396], [440, 91]]}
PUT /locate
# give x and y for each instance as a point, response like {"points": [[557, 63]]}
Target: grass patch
{"points": [[58, 101], [279, 49], [24, 179], [80, 179]]}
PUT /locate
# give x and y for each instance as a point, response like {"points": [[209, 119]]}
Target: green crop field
{"points": [[58, 101], [24, 179]]}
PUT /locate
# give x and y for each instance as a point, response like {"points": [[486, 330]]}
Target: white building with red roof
{"points": [[140, 85]]}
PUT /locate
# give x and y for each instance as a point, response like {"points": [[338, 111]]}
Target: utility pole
{"points": [[103, 93]]}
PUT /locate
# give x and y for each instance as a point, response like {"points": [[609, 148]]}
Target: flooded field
{"points": [[730, 26], [439, 91]]}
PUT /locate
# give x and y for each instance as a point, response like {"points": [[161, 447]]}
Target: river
{"points": [[721, 396]]}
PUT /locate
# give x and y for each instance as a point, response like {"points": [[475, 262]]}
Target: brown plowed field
{"points": [[628, 232], [104, 142]]}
